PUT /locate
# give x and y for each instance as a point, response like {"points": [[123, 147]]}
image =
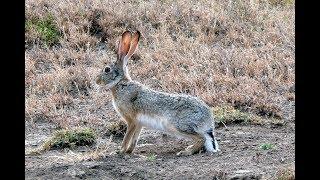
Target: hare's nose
{"points": [[107, 69]]}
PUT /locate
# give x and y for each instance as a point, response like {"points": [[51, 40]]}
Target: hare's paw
{"points": [[213, 153], [115, 152], [129, 151], [118, 151], [184, 153]]}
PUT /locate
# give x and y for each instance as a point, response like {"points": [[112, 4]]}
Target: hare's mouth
{"points": [[103, 85], [99, 81]]}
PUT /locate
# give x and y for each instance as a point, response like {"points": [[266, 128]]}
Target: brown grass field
{"points": [[230, 53]]}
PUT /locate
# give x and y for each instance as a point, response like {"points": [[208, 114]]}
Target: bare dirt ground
{"points": [[154, 158]]}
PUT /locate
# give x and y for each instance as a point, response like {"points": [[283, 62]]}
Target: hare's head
{"points": [[117, 71]]}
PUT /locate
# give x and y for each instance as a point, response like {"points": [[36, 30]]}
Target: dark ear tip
{"points": [[126, 32], [139, 34]]}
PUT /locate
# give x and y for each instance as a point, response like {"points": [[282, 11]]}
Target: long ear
{"points": [[134, 45], [124, 46]]}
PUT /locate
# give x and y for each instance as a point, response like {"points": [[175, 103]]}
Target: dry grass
{"points": [[101, 150], [68, 138], [116, 129], [71, 139], [239, 53], [228, 115]]}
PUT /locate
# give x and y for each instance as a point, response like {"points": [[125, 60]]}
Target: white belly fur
{"points": [[153, 122]]}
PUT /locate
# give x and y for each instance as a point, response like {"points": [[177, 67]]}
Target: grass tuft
{"points": [[266, 146], [229, 115], [151, 157], [116, 129], [46, 29], [281, 2], [71, 139]]}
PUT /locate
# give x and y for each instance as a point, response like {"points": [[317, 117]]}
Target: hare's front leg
{"points": [[127, 137], [134, 139]]}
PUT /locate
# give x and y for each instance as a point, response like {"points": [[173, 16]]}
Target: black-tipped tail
{"points": [[210, 133]]}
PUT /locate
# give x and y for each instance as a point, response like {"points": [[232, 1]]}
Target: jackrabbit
{"points": [[139, 106]]}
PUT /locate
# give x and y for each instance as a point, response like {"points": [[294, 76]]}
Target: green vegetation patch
{"points": [[71, 138], [151, 157], [266, 146], [229, 115], [281, 2], [45, 28]]}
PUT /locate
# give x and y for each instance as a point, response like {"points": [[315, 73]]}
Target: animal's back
{"points": [[157, 109]]}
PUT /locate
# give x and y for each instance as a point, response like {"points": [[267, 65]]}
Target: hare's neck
{"points": [[126, 74], [123, 82]]}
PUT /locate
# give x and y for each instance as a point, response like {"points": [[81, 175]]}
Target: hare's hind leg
{"points": [[195, 148], [134, 138]]}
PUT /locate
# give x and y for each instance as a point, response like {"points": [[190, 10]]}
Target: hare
{"points": [[139, 106]]}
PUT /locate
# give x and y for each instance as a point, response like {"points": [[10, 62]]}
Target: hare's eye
{"points": [[107, 69]]}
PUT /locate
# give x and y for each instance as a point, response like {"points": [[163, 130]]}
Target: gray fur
{"points": [[188, 114]]}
